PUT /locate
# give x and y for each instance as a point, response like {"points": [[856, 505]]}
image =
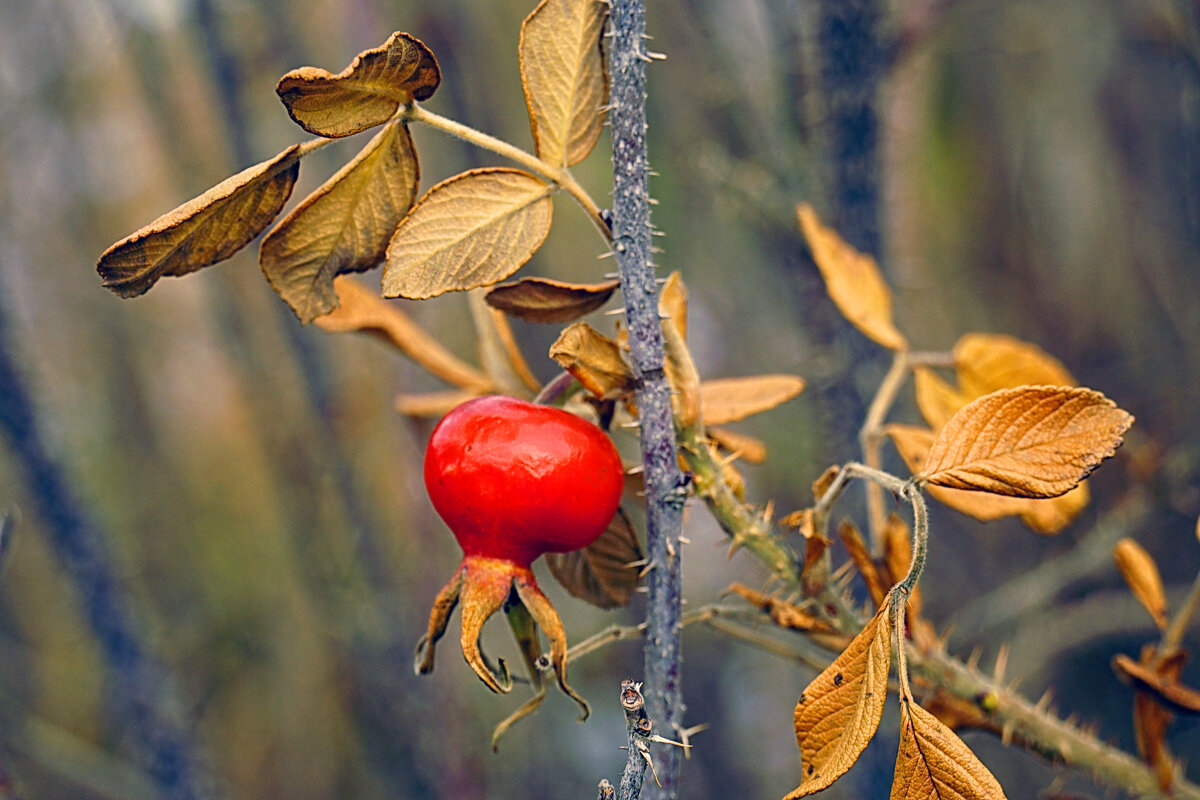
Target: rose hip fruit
{"points": [[514, 480]]}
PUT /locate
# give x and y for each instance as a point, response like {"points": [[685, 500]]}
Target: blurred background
{"points": [[222, 555]]}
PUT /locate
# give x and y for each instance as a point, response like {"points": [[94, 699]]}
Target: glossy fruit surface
{"points": [[514, 480]]}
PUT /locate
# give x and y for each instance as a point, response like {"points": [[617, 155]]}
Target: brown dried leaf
{"points": [[366, 93], [937, 400], [856, 548], [1150, 722], [1141, 573], [344, 226], [853, 281], [204, 230], [1167, 690], [1032, 441], [731, 399], [1045, 516], [934, 764], [594, 360], [471, 230], [360, 310], [838, 713], [824, 481], [606, 572], [550, 301], [747, 448], [563, 74], [781, 612], [987, 362], [431, 404]]}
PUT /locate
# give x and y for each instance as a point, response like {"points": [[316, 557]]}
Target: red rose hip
{"points": [[514, 480]]}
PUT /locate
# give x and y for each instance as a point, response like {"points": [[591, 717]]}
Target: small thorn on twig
{"points": [[614, 312]]}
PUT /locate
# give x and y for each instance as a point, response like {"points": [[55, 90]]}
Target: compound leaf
{"points": [[1032, 441], [563, 74], [546, 300], [471, 230], [204, 230], [366, 93], [344, 226], [853, 281], [934, 764], [838, 713]]}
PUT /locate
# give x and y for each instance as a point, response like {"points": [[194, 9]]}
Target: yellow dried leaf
{"points": [[673, 304], [781, 612], [860, 556], [853, 281], [838, 713], [1045, 516], [366, 93], [472, 230], [594, 360], [937, 400], [204, 230], [730, 399], [361, 310], [431, 404], [344, 226], [606, 572], [987, 362], [550, 301], [563, 74], [1032, 441], [1141, 573], [747, 448], [934, 764]]}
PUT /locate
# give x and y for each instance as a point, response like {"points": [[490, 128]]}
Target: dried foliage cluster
{"points": [[1012, 435]]}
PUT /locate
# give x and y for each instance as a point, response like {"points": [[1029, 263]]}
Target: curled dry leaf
{"points": [[1166, 689], [1046, 516], [781, 612], [360, 310], [471, 230], [838, 713], [730, 399], [747, 448], [550, 301], [853, 281], [203, 231], [594, 360], [1141, 573], [344, 226], [563, 74], [1032, 441], [366, 93], [605, 573], [934, 764], [987, 362]]}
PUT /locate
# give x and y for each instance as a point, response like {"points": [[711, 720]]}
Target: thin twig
{"points": [[638, 727]]}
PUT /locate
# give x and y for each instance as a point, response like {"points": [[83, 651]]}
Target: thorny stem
{"points": [[559, 176], [637, 729]]}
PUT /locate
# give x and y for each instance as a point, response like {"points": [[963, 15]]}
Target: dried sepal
{"points": [[486, 585], [548, 620], [439, 618]]}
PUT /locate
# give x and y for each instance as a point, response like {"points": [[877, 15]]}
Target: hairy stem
{"points": [[665, 487]]}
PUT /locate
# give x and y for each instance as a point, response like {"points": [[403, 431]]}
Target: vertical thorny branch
{"points": [[664, 492]]}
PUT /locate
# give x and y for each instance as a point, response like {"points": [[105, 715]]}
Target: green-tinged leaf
{"points": [[1032, 441], [549, 301], [838, 713], [366, 93], [344, 226], [203, 231], [563, 74], [472, 230], [934, 764]]}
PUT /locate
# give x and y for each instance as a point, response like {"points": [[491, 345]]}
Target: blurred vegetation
{"points": [[259, 502]]}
